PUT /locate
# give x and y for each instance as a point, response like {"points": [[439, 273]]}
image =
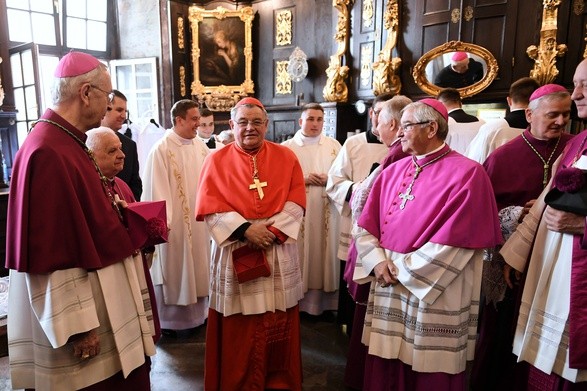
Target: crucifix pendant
{"points": [[259, 186], [545, 179], [407, 196]]}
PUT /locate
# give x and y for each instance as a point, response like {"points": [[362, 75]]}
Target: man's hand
{"points": [[86, 345], [386, 273], [259, 236], [564, 222], [507, 273], [314, 179], [526, 209]]}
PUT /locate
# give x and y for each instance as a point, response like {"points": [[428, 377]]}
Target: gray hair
{"points": [[247, 105], [65, 88], [533, 105], [392, 109], [422, 113]]}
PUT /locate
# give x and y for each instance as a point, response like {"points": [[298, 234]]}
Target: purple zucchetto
{"points": [[546, 89], [436, 105], [75, 64]]}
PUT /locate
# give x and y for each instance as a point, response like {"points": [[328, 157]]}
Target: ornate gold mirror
{"points": [[465, 66]]}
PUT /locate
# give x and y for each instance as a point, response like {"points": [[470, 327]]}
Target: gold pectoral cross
{"points": [[259, 186]]}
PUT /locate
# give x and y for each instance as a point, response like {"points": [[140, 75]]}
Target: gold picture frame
{"points": [[222, 55], [490, 72]]}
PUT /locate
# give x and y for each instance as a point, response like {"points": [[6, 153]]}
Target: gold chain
{"points": [[103, 179], [546, 163]]}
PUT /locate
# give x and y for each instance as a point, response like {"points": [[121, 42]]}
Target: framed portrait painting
{"points": [[221, 55]]}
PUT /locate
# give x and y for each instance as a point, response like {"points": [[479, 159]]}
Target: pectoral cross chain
{"points": [[259, 186], [407, 196]]}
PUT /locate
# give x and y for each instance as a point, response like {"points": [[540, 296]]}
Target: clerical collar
{"points": [[306, 140], [418, 157], [205, 140]]}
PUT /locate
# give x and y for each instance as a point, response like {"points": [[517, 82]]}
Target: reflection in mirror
{"points": [[468, 67], [456, 70]]}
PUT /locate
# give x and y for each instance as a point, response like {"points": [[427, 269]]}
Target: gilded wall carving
{"points": [[283, 83], [368, 13], [180, 33], [283, 28], [545, 54], [335, 89], [386, 68]]}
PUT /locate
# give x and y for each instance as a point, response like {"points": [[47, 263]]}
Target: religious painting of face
{"points": [[222, 57], [222, 52]]}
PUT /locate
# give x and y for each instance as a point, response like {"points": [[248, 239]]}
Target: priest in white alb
{"points": [[180, 269], [318, 238]]}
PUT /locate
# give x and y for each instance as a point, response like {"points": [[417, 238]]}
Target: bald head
{"points": [[107, 150]]}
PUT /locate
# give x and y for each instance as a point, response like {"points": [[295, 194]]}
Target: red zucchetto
{"points": [[250, 101]]}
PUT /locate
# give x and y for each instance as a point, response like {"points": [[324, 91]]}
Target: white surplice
{"points": [[429, 319], [180, 269], [460, 134], [491, 135], [542, 330], [318, 237], [53, 307], [280, 291], [352, 164]]}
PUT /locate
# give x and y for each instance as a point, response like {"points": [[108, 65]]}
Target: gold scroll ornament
{"points": [[335, 89], [385, 69], [545, 54]]}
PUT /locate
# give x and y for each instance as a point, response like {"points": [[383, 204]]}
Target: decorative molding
{"points": [[283, 28], [455, 15], [335, 89], [365, 64], [221, 97], [469, 13], [283, 83], [368, 13], [578, 7], [180, 33], [544, 56], [419, 71], [386, 68], [182, 84]]}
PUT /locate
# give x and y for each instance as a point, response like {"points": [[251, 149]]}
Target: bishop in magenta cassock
{"points": [[425, 224], [533, 153], [252, 194], [551, 331], [388, 130], [76, 315]]}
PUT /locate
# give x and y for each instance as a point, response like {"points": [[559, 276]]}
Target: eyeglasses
{"points": [[410, 126], [243, 123], [109, 94]]}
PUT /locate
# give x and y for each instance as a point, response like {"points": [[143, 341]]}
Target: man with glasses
{"points": [[425, 225], [114, 119], [180, 269], [76, 316], [353, 163], [252, 197]]}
